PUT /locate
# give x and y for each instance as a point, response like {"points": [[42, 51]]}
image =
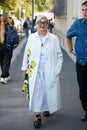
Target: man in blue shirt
{"points": [[79, 30]]}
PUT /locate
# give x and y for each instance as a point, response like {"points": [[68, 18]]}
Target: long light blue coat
{"points": [[53, 66]]}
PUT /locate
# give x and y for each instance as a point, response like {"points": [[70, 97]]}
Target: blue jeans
{"points": [[26, 31]]}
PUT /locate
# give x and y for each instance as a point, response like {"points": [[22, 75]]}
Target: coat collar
{"points": [[47, 35], [84, 20]]}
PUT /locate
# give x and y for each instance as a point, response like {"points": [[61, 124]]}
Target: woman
{"points": [[44, 86], [5, 54]]}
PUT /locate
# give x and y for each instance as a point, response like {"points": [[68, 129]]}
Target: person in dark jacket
{"points": [[5, 54], [50, 25], [26, 26]]}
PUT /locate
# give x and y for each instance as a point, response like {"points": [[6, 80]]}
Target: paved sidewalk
{"points": [[14, 113]]}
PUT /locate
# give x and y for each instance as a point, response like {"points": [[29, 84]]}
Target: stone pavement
{"points": [[14, 113]]}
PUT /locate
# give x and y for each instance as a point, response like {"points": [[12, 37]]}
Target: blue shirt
{"points": [[79, 30]]}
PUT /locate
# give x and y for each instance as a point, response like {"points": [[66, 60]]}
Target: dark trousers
{"points": [[5, 60], [82, 81]]}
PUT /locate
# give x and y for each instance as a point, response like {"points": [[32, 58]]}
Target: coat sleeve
{"points": [[24, 62], [59, 56]]}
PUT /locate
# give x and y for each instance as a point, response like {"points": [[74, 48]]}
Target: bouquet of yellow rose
{"points": [[25, 88], [28, 75]]}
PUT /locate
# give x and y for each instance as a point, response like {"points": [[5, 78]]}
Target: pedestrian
{"points": [[5, 53], [26, 26], [79, 30], [44, 87], [33, 29], [50, 25]]}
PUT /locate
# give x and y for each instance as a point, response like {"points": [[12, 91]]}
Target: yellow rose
{"points": [[28, 52], [26, 81], [29, 72], [24, 89], [32, 64]]}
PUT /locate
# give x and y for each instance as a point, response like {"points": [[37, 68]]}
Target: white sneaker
{"points": [[7, 78], [2, 80]]}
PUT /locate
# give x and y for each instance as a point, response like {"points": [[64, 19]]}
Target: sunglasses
{"points": [[42, 23]]}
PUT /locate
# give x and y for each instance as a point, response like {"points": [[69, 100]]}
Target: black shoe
{"points": [[84, 117], [37, 121], [46, 113]]}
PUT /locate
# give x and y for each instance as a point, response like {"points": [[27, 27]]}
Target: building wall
{"points": [[63, 22]]}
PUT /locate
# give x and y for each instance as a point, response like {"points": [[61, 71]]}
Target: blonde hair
{"points": [[10, 21], [2, 29]]}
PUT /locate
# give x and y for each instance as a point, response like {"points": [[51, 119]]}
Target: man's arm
{"points": [[69, 42], [70, 45]]}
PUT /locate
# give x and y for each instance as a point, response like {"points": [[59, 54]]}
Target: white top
{"points": [[42, 58]]}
